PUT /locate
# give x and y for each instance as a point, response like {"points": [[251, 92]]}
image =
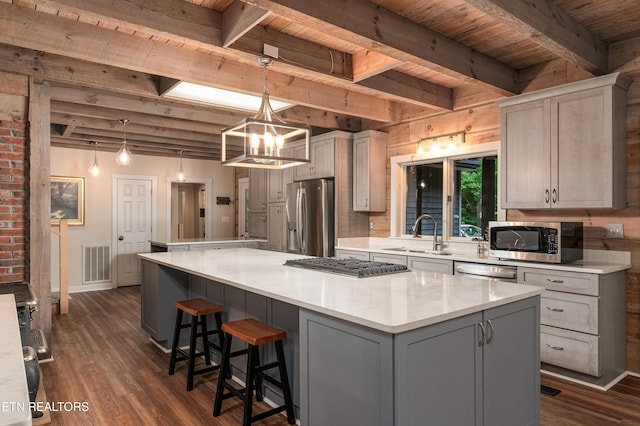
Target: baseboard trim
{"points": [[591, 385]]}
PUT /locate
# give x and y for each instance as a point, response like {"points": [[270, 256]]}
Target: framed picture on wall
{"points": [[67, 200]]}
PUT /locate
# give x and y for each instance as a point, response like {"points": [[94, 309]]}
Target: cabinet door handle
{"points": [[555, 281], [490, 335], [482, 335], [555, 309], [546, 196], [555, 348], [554, 197]]}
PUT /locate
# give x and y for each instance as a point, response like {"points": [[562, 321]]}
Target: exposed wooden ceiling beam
{"points": [[412, 89], [297, 57], [367, 63], [185, 22], [63, 69], [134, 128], [322, 119], [546, 24], [159, 107], [376, 28], [137, 147], [238, 19], [40, 31], [112, 114]]}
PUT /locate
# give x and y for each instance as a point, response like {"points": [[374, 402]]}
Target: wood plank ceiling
{"points": [[344, 64]]}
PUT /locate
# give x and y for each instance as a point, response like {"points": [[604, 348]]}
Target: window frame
{"points": [[399, 166]]}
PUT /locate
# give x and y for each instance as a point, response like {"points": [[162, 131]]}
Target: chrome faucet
{"points": [[414, 229]]}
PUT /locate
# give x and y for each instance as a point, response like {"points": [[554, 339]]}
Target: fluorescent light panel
{"points": [[220, 97]]}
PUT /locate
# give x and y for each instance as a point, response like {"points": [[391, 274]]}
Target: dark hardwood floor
{"points": [[103, 357]]}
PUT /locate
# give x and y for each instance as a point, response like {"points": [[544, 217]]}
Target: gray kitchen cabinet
{"points": [[493, 377], [278, 180], [583, 321], [322, 157], [565, 147], [346, 370], [430, 264], [161, 288], [258, 224], [257, 190], [351, 254], [418, 263], [258, 203], [277, 227], [369, 171], [389, 258]]}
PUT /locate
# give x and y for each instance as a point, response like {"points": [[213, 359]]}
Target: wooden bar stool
{"points": [[199, 309], [254, 333]]}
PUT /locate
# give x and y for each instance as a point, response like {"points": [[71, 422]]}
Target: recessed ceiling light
{"points": [[220, 97]]}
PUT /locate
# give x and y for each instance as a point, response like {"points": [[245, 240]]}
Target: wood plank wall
{"points": [[482, 124]]}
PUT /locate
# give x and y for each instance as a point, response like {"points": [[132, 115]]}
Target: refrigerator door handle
{"points": [[300, 217]]}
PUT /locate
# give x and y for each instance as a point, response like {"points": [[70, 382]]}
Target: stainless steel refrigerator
{"points": [[310, 217]]}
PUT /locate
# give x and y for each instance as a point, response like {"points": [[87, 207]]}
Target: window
{"points": [[460, 192], [475, 182], [424, 195]]}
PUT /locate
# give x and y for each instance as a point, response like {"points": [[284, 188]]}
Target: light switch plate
{"points": [[614, 230]]}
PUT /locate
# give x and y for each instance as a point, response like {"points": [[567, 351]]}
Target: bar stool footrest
{"points": [[268, 413], [271, 380]]}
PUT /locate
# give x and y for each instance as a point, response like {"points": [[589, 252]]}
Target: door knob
{"points": [[120, 238]]}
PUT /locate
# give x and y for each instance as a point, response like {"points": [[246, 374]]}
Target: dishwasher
{"points": [[487, 271]]}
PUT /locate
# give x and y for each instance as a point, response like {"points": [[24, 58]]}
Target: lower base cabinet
{"points": [[584, 331], [481, 369]]}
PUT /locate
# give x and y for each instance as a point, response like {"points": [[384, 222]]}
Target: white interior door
{"points": [[133, 228], [243, 203]]}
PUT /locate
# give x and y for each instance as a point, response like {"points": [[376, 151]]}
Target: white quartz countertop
{"points": [[597, 261], [391, 303], [204, 241], [14, 396]]}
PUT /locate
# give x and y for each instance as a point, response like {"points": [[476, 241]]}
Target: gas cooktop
{"points": [[352, 267]]}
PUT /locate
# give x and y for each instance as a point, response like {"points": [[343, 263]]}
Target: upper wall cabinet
{"points": [[565, 147], [369, 173], [321, 157]]}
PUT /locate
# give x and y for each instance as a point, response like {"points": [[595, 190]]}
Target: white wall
{"points": [[98, 200]]}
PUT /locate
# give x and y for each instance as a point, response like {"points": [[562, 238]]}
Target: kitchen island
{"points": [[408, 348], [192, 244]]}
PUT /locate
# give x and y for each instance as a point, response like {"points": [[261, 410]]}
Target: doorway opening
{"points": [[189, 209]]}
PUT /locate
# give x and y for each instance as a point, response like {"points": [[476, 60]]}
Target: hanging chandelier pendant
{"points": [[124, 156], [261, 139]]}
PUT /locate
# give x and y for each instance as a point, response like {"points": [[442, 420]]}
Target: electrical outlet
{"points": [[614, 230], [371, 225]]}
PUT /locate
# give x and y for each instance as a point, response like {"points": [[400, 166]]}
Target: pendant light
{"points": [[124, 157], [181, 177], [261, 139], [95, 171]]}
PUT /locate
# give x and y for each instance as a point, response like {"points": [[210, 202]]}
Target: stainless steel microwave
{"points": [[551, 242]]}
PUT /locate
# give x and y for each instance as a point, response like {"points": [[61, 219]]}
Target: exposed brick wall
{"points": [[13, 201]]}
